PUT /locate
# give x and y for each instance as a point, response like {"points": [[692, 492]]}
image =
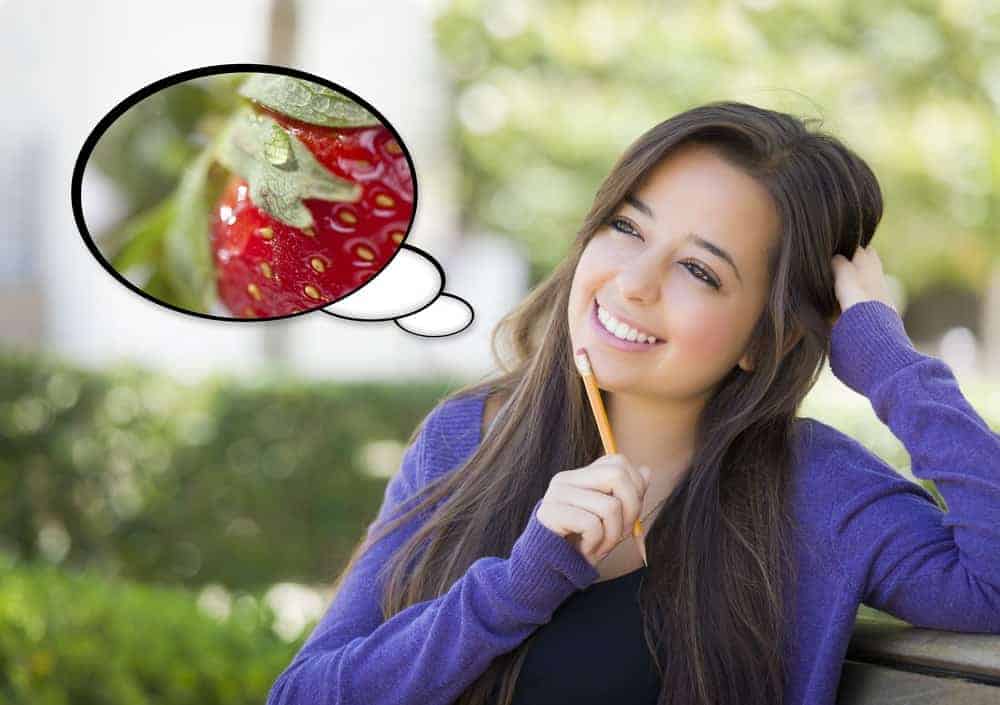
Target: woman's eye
{"points": [[624, 226], [699, 273]]}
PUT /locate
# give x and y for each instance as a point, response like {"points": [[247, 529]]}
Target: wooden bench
{"points": [[890, 661]]}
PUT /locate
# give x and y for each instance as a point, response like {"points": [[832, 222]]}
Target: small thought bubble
{"points": [[409, 291]]}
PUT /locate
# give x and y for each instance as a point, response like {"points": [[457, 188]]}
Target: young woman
{"points": [[723, 260]]}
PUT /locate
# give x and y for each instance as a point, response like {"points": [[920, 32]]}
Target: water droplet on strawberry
{"points": [[278, 149]]}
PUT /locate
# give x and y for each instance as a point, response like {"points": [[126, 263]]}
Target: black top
{"points": [[592, 650]]}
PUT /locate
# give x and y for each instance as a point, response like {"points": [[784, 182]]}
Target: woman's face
{"points": [[647, 267]]}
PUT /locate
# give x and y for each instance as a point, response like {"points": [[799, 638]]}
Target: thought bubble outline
{"points": [[472, 317], [396, 319], [94, 136]]}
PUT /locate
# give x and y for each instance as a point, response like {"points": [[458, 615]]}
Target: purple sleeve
{"points": [[432, 650], [931, 568]]}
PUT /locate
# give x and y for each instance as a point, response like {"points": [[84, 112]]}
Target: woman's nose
{"points": [[640, 279]]}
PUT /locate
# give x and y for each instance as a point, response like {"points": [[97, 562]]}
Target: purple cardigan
{"points": [[866, 534]]}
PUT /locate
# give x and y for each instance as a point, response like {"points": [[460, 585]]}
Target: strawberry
{"points": [[266, 267]]}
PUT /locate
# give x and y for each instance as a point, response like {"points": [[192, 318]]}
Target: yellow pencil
{"points": [[604, 428]]}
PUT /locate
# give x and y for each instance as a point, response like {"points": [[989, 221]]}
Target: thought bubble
{"points": [[409, 291]]}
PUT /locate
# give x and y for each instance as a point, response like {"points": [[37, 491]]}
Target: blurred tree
{"points": [[547, 95]]}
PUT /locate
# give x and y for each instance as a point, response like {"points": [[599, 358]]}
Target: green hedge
{"points": [[71, 638], [241, 483], [80, 639]]}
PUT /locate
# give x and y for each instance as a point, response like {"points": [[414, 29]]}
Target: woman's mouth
{"points": [[612, 339]]}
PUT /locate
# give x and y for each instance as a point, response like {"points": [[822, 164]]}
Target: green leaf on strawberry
{"points": [[168, 243], [188, 266], [137, 243], [305, 101], [280, 170]]}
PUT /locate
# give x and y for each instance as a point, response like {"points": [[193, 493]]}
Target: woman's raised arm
{"points": [[909, 558]]}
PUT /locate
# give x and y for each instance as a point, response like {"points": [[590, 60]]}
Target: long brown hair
{"points": [[722, 600]]}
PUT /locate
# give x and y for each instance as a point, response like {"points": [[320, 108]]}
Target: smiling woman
{"points": [[648, 271], [715, 233]]}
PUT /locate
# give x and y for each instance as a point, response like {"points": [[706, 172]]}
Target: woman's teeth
{"points": [[622, 330]]}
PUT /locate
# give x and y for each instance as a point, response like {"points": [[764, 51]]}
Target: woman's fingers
{"points": [[609, 509], [612, 475], [594, 507], [583, 528]]}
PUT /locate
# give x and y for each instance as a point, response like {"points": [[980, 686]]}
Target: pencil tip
{"points": [[642, 550]]}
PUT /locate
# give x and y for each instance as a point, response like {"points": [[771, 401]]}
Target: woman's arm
{"points": [[431, 651], [930, 568]]}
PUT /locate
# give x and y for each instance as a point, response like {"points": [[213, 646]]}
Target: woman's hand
{"points": [[859, 279], [594, 507]]}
